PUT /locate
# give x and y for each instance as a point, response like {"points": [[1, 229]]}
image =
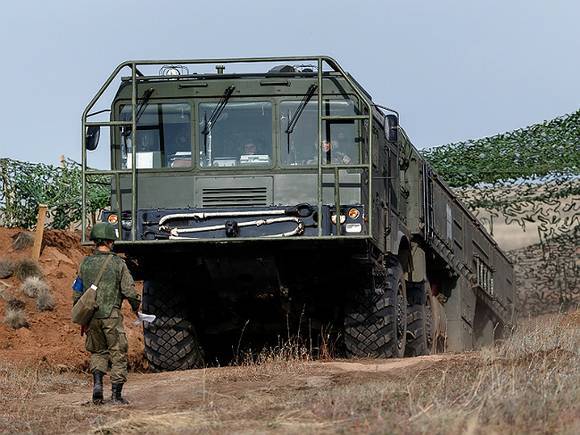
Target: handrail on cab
{"points": [[133, 64]]}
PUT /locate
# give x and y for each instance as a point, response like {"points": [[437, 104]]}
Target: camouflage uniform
{"points": [[106, 339]]}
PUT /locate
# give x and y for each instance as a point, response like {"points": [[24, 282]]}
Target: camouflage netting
{"points": [[547, 275], [551, 148], [23, 186], [528, 178]]}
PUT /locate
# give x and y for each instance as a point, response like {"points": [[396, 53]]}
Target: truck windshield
{"points": [[163, 136], [339, 138], [240, 136]]}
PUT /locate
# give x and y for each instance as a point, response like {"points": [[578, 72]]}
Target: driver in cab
{"points": [[250, 155]]}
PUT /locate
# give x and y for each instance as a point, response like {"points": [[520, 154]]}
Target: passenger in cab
{"points": [[331, 153], [250, 149]]}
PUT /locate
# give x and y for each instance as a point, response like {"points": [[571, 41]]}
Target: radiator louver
{"points": [[235, 197]]}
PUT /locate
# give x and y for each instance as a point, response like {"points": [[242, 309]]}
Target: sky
{"points": [[453, 69]]}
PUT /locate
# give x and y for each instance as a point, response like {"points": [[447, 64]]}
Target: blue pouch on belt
{"points": [[78, 285]]}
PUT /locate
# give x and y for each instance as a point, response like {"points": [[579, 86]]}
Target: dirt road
{"points": [[238, 399]]}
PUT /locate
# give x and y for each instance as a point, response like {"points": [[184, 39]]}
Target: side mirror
{"points": [[92, 137], [392, 128]]}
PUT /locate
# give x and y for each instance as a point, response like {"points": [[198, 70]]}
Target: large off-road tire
{"points": [[170, 341], [420, 322], [375, 322]]}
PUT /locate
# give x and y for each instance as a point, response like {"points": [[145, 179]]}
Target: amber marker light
{"points": [[112, 219], [353, 213]]}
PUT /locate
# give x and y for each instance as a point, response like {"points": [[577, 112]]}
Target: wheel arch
{"points": [[404, 254]]}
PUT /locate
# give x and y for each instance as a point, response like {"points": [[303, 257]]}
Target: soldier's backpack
{"points": [[83, 311]]}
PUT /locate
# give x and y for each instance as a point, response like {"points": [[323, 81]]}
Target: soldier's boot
{"points": [[97, 387], [117, 397]]}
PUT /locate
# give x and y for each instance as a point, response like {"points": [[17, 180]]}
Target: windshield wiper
{"points": [[140, 110], [208, 123], [292, 122], [144, 100]]}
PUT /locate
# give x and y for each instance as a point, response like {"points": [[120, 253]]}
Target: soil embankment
{"points": [[51, 337]]}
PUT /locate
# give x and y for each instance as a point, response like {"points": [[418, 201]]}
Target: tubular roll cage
{"points": [[327, 168]]}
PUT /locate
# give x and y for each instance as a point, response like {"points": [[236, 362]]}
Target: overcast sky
{"points": [[454, 69]]}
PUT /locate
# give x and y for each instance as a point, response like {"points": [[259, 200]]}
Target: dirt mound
{"points": [[51, 337]]}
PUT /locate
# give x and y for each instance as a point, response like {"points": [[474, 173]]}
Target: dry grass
{"points": [[27, 268], [45, 300], [530, 383], [6, 268], [287, 356], [33, 286], [15, 318], [22, 241], [15, 304], [3, 293], [20, 385], [173, 422]]}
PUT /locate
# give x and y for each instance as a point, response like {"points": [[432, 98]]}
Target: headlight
{"points": [[353, 213], [112, 219]]}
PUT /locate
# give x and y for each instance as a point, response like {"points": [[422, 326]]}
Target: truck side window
{"points": [[240, 136], [163, 136], [339, 139]]}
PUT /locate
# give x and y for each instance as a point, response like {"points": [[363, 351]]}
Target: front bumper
{"points": [[240, 223]]}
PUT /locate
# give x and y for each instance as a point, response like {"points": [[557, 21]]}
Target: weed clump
{"points": [[27, 268], [6, 268], [45, 300], [15, 318], [22, 241], [33, 286], [15, 304]]}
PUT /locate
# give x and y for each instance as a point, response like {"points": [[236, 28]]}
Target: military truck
{"points": [[270, 197]]}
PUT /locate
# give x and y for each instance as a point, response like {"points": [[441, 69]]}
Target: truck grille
{"points": [[235, 197]]}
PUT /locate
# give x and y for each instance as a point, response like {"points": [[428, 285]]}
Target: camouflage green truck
{"points": [[262, 197]]}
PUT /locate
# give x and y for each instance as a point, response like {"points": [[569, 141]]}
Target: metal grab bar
{"points": [[175, 232], [206, 215]]}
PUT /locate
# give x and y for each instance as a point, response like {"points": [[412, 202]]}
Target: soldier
{"points": [[331, 153], [106, 339]]}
